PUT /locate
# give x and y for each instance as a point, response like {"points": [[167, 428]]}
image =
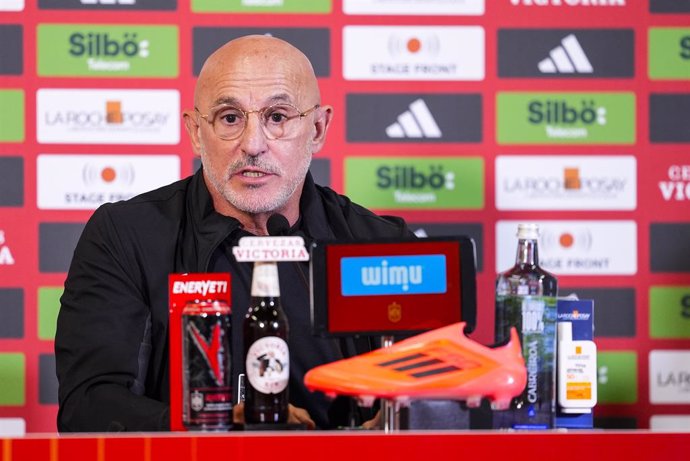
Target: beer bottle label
{"points": [[268, 365]]}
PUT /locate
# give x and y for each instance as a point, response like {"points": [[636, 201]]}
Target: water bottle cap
{"points": [[528, 231], [565, 331]]}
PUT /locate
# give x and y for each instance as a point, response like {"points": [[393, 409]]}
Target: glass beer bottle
{"points": [[526, 299], [267, 357]]}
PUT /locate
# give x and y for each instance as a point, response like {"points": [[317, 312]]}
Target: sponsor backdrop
{"points": [[463, 116]]}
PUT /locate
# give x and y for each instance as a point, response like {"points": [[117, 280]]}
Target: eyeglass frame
{"points": [[245, 113]]}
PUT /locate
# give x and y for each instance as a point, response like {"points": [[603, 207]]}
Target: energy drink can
{"points": [[207, 378]]}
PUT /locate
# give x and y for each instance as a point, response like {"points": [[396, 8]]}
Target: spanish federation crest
{"points": [[394, 312]]}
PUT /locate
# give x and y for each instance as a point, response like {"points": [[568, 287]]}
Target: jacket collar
{"points": [[314, 221], [203, 228], [208, 228]]}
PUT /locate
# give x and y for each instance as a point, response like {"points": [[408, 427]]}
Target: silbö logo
{"points": [[410, 185], [564, 121], [105, 52]]}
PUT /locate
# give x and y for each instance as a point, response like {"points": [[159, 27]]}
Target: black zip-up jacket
{"points": [[111, 345]]}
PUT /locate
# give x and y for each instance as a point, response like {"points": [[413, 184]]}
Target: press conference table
{"points": [[333, 446]]}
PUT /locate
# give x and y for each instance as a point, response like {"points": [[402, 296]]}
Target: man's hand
{"points": [[296, 415], [373, 423]]}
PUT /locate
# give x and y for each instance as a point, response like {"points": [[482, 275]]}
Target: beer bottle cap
{"points": [[265, 279], [528, 231]]}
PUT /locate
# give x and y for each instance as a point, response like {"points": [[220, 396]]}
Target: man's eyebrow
{"points": [[229, 100], [282, 97], [232, 101]]}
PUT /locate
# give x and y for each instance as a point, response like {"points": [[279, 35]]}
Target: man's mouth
{"points": [[253, 174]]}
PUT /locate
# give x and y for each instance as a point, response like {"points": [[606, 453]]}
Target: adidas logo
{"points": [[415, 123], [568, 58]]}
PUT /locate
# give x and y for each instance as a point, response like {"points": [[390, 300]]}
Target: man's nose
{"points": [[253, 139]]}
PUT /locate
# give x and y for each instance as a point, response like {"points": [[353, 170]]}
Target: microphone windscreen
{"points": [[277, 224]]}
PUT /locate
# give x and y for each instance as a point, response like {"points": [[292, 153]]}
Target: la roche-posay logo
{"points": [[413, 53], [669, 377], [84, 182], [76, 50], [562, 182], [575, 247], [109, 116], [669, 422]]}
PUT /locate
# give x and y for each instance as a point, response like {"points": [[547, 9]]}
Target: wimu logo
{"points": [[385, 275]]}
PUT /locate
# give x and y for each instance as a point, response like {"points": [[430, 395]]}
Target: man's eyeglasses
{"points": [[278, 121]]}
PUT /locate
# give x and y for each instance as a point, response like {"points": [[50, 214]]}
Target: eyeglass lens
{"points": [[278, 121]]}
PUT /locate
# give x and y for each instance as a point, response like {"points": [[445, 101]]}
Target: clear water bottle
{"points": [[526, 299]]}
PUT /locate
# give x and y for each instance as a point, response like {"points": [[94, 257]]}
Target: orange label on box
{"points": [[579, 391]]}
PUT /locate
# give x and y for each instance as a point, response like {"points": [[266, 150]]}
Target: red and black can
{"points": [[207, 377]]}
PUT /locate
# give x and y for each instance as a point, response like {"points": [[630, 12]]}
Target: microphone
{"points": [[277, 225]]}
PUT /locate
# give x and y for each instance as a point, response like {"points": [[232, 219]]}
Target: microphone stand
{"points": [[278, 225], [390, 409]]}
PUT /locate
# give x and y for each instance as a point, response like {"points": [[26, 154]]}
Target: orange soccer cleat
{"points": [[439, 364]]}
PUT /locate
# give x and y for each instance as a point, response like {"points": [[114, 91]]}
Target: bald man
{"points": [[256, 123]]}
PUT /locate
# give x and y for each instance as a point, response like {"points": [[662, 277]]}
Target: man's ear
{"points": [[321, 124], [194, 131]]}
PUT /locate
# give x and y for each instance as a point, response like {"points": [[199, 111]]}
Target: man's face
{"points": [[253, 173]]}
